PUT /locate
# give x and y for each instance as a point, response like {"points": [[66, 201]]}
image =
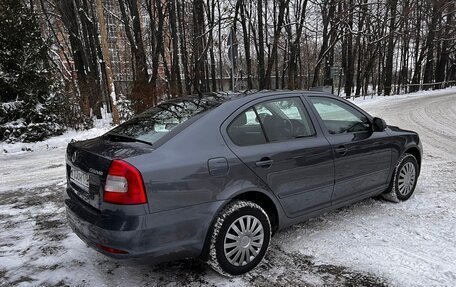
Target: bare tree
{"points": [[112, 100], [390, 52], [179, 47]]}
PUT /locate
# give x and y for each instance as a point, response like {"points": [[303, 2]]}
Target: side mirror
{"points": [[379, 125]]}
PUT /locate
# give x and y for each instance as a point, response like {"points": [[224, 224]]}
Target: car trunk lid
{"points": [[88, 163]]}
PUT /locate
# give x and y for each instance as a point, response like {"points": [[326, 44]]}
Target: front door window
{"points": [[339, 117]]}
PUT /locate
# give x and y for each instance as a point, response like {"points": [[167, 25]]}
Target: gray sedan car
{"points": [[214, 176]]}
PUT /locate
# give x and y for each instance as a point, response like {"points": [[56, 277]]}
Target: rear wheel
{"points": [[240, 238], [404, 180]]}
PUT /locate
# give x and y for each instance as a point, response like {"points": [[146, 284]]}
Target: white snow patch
{"points": [[105, 121], [54, 142]]}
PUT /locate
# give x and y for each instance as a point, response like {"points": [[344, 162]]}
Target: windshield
{"points": [[156, 122]]}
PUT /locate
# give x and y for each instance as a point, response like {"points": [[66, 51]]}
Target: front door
{"points": [[276, 139], [362, 157]]}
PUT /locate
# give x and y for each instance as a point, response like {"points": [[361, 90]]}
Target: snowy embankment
{"points": [[100, 127], [372, 243], [29, 165]]}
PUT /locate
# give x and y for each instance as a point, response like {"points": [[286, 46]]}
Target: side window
{"points": [[246, 130], [340, 117], [284, 119]]}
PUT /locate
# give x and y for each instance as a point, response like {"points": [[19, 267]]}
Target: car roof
{"points": [[230, 101], [245, 96]]}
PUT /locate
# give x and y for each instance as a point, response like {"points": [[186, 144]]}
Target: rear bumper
{"points": [[161, 236]]}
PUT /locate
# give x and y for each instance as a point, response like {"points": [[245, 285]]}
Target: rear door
{"points": [[276, 139], [362, 157]]}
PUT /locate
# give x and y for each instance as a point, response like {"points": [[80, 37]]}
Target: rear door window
{"points": [[270, 121], [284, 119], [246, 130]]}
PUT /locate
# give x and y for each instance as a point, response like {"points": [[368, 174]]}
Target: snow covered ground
{"points": [[372, 243]]}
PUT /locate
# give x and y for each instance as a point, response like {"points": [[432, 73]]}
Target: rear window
{"points": [[156, 122]]}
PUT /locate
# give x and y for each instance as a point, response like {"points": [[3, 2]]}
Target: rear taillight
{"points": [[124, 184]]}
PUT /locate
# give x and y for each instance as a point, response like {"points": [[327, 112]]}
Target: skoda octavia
{"points": [[214, 176]]}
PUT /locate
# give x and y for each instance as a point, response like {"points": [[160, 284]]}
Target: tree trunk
{"points": [[294, 50], [282, 5], [390, 52], [107, 63], [176, 83], [429, 66], [350, 64], [183, 45], [199, 52], [444, 55], [246, 38], [260, 47]]}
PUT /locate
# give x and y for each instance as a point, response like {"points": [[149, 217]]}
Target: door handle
{"points": [[264, 162], [341, 150]]}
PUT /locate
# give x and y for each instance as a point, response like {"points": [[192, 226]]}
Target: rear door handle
{"points": [[264, 162], [341, 150]]}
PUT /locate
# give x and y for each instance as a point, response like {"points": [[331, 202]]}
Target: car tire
{"points": [[404, 179], [240, 238]]}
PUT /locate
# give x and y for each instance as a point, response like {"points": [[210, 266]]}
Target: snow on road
{"points": [[372, 243]]}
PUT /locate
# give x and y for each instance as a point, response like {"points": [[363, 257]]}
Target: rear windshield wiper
{"points": [[125, 138]]}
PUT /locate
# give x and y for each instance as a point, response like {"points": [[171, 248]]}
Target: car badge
{"points": [[74, 156]]}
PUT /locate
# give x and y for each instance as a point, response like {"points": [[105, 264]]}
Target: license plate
{"points": [[79, 177]]}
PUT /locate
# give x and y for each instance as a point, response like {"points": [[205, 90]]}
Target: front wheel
{"points": [[240, 238], [404, 180]]}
